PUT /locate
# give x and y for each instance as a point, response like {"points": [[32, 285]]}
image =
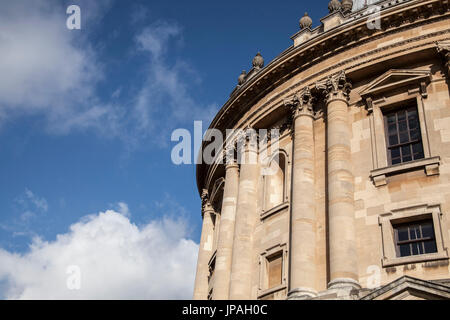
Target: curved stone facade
{"points": [[359, 204]]}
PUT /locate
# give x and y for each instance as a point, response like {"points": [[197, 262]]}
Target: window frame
{"points": [[411, 214], [410, 241], [263, 289], [407, 107]]}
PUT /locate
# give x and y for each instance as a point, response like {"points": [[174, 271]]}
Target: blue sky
{"points": [[86, 115]]}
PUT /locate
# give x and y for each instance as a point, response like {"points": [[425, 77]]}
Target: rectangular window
{"points": [[275, 269], [415, 238], [404, 139]]}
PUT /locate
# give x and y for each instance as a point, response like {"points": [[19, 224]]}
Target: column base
{"points": [[301, 294], [344, 283]]}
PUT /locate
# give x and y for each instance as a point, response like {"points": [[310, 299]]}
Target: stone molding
{"points": [[430, 165]]}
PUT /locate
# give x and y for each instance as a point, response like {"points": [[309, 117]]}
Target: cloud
{"points": [[42, 69], [116, 260], [59, 75], [39, 203]]}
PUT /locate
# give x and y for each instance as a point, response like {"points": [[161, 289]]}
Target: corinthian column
{"points": [[205, 250], [342, 239], [226, 231], [303, 220], [246, 217]]}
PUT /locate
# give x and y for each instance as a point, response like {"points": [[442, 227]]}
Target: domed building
{"points": [[358, 206]]}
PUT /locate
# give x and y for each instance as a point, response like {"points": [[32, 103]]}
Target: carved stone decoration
{"points": [[335, 86], [443, 49], [258, 61], [304, 105], [242, 77], [347, 6], [205, 200], [247, 137], [306, 22], [369, 105], [334, 6], [229, 154]]}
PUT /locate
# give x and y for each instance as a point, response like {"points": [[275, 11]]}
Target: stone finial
{"points": [[334, 6], [347, 6], [258, 61], [305, 22], [242, 77]]}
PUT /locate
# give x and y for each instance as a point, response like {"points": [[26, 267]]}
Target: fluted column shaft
{"points": [[246, 216], [204, 253], [303, 219], [342, 239], [226, 233]]}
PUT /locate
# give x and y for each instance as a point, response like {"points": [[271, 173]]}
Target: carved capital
{"points": [[335, 86], [443, 48], [247, 138], [301, 103], [206, 205], [229, 154]]}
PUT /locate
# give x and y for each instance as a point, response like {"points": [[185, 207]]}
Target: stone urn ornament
{"points": [[306, 22], [258, 61]]}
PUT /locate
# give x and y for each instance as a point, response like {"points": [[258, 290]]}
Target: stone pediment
{"points": [[394, 79], [408, 288]]}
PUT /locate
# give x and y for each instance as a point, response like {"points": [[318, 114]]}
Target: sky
{"points": [[88, 189]]}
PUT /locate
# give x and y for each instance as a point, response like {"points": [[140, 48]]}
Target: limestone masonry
{"points": [[359, 204]]}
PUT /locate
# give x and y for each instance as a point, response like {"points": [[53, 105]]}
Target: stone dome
{"points": [[306, 21]]}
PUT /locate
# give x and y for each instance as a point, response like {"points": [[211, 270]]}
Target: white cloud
{"points": [[38, 202], [42, 69], [117, 260], [54, 73]]}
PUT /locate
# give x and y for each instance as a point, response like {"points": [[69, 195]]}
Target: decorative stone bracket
{"points": [[430, 165]]}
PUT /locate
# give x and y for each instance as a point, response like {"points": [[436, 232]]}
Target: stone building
{"points": [[359, 204]]}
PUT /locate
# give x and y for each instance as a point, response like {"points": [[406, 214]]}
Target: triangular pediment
{"points": [[395, 78], [408, 288]]}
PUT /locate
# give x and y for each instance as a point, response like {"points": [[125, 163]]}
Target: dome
{"points": [[305, 22]]}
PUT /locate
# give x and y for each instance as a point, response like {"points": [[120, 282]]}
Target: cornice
{"points": [[295, 60]]}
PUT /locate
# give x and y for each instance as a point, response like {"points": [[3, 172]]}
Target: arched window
{"points": [[275, 182]]}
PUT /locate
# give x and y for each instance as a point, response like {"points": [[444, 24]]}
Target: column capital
{"points": [[301, 104], [247, 138], [443, 48], [206, 204], [229, 156], [335, 87]]}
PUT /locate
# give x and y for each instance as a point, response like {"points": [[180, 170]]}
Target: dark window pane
{"points": [[402, 126], [427, 230], [413, 122], [404, 137], [393, 140], [395, 153], [396, 161], [391, 119], [392, 129], [403, 234], [415, 248], [412, 233], [406, 153], [418, 150], [415, 134], [405, 250], [430, 246], [401, 115]]}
